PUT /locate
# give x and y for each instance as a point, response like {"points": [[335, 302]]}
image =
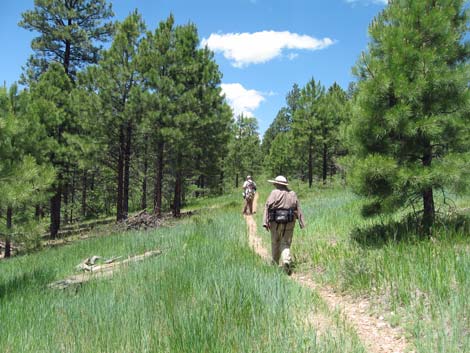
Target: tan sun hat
{"points": [[281, 180]]}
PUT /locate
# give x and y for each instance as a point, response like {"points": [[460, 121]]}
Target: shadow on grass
{"points": [[25, 282], [410, 229]]}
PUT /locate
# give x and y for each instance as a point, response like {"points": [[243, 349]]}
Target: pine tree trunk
{"points": [[92, 181], [120, 177], [84, 194], [9, 226], [325, 163], [127, 167], [202, 184], [236, 180], [222, 176], [67, 56], [74, 173], [157, 199], [38, 212], [143, 201], [310, 163], [65, 197], [55, 210], [178, 192], [178, 188], [429, 212]]}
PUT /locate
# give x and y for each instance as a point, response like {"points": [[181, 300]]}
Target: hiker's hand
{"points": [[266, 226]]}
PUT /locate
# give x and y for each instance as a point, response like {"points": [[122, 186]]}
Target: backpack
{"points": [[250, 191], [281, 215], [249, 194]]}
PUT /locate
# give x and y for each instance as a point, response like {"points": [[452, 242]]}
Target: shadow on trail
{"points": [[409, 229], [25, 282]]}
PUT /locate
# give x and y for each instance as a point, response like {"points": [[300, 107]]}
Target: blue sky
{"points": [[262, 47]]}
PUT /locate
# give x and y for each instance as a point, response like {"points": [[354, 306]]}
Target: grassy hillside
{"points": [[419, 284], [207, 292]]}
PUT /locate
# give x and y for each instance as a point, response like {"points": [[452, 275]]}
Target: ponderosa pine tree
{"points": [[200, 110], [23, 182], [411, 114], [186, 116], [333, 112], [116, 82], [306, 122], [244, 149], [281, 158], [51, 105], [283, 120], [157, 63], [68, 34], [211, 130]]}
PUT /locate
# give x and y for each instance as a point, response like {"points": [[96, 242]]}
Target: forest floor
{"points": [[375, 333]]}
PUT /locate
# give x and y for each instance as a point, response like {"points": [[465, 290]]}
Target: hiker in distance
{"points": [[249, 190], [280, 212]]}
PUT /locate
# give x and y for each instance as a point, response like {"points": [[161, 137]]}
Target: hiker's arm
{"points": [[266, 216], [300, 215], [266, 211]]}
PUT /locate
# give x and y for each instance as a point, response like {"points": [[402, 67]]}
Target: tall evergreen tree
{"points": [[157, 64], [332, 114], [281, 159], [411, 113], [214, 120], [200, 109], [244, 149], [117, 83], [23, 181], [69, 31], [51, 105], [283, 120], [306, 122], [188, 121]]}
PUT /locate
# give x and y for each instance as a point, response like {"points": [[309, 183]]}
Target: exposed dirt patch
{"points": [[375, 333], [255, 241]]}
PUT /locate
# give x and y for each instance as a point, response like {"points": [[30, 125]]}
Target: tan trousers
{"points": [[281, 239], [248, 208]]}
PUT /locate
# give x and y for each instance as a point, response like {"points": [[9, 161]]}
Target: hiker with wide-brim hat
{"points": [[281, 211]]}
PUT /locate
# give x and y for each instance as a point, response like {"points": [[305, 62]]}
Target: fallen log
{"points": [[99, 271]]}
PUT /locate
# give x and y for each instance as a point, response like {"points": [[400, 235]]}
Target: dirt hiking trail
{"points": [[376, 334]]}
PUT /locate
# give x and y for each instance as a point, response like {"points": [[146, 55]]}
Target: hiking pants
{"points": [[281, 238], [248, 208]]}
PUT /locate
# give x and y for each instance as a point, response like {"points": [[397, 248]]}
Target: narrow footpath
{"points": [[376, 334]]}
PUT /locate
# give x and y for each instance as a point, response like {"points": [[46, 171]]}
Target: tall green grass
{"points": [[207, 292], [421, 284]]}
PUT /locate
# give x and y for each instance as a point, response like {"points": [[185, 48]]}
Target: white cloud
{"points": [[367, 2], [292, 56], [243, 101], [243, 49]]}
